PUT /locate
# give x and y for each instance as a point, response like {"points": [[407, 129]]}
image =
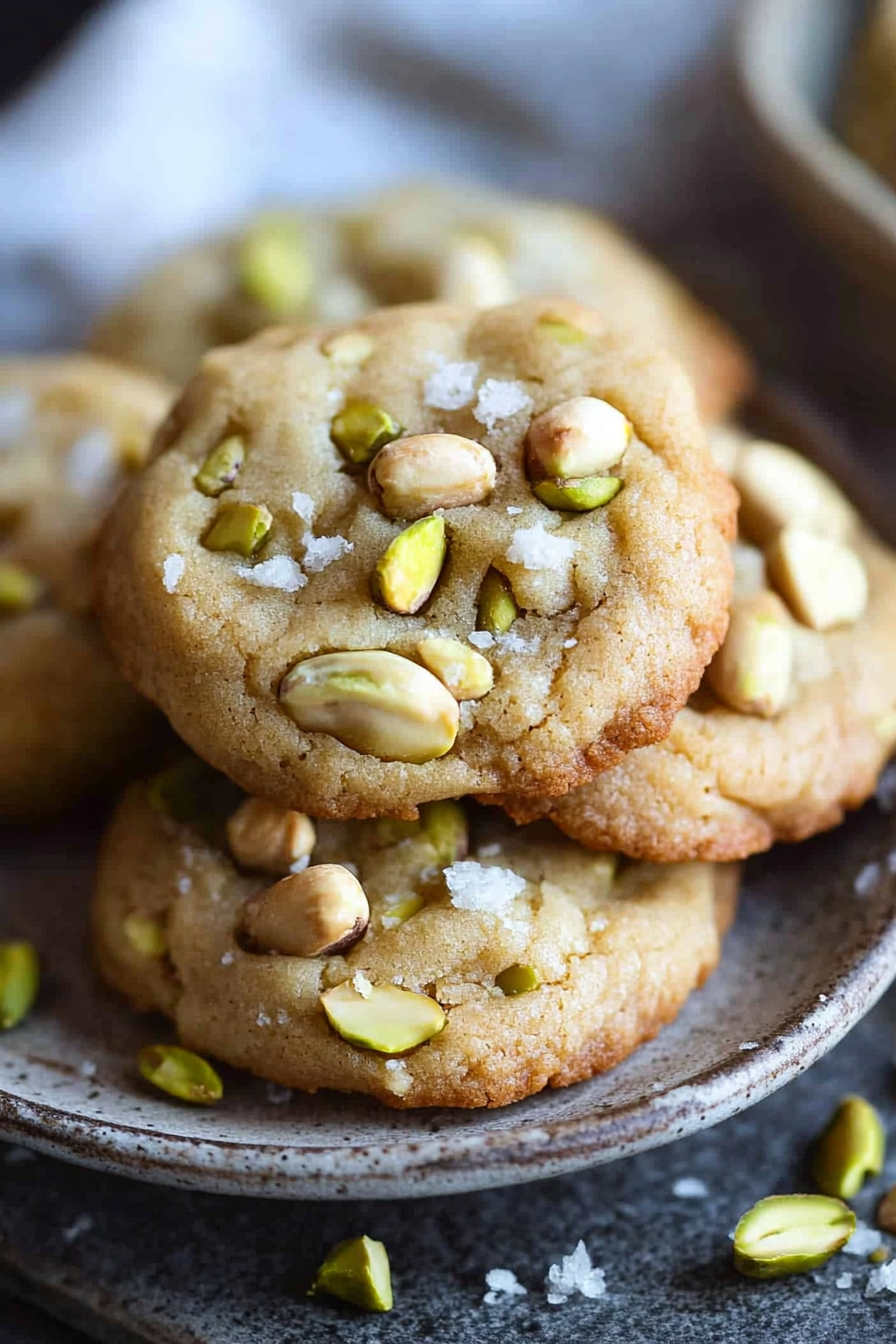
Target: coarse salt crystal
{"points": [[92, 463], [490, 890], [450, 386], [173, 568], [481, 639], [748, 1045], [398, 979], [335, 399], [183, 884], [281, 572], [322, 551], [282, 1017], [83, 1223], [227, 959], [87, 1068], [574, 1274], [513, 510], [303, 505], [362, 985], [843, 1280], [570, 643], [535, 548], [822, 998], [863, 1241], [881, 1280], [866, 879], [502, 1281], [512, 643], [597, 925], [262, 1020], [498, 400], [16, 410], [277, 1095], [690, 1187]]}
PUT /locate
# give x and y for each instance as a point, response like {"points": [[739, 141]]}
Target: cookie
{"points": [[868, 103], [410, 244], [481, 977], [71, 429], [797, 713], [566, 576]]}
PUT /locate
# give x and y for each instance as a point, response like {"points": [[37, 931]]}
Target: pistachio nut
{"points": [[357, 1271], [558, 329], [19, 982], [402, 911], [181, 1074], [823, 582], [496, 610], [850, 1149], [389, 1020], [20, 590], [221, 467], [752, 671], [361, 429], [315, 913], [274, 266], [445, 825], [577, 438], [375, 702], [473, 271], [193, 794], [417, 475], [779, 488], [466, 673], [267, 838], [146, 936], [517, 979], [409, 567], [790, 1234], [239, 527], [578, 496], [349, 348], [886, 1212]]}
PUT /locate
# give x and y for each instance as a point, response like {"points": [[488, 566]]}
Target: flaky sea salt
{"points": [[574, 1274], [450, 386], [262, 1020], [748, 1045], [499, 400], [570, 643], [83, 1223], [513, 510], [866, 879], [282, 1017], [281, 572], [489, 890], [322, 551], [91, 464], [303, 505], [278, 1095], [362, 985], [863, 1241], [184, 884], [690, 1187], [227, 959], [16, 410], [481, 639], [535, 548], [173, 568], [881, 1280], [843, 1280], [513, 643], [502, 1281]]}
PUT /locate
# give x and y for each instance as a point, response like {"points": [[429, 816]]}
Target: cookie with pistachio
{"points": [[796, 715], [439, 552], [451, 961], [413, 243], [72, 428]]}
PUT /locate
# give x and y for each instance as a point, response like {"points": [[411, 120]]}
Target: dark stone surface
{"points": [[169, 1266]]}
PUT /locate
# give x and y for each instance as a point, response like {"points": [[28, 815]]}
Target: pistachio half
{"points": [[146, 936], [424, 472], [221, 467], [518, 979], [578, 496], [409, 567], [496, 610], [274, 266], [19, 982], [375, 702], [357, 1271], [576, 438], [466, 673], [20, 590], [239, 527], [823, 582], [752, 671], [267, 838], [315, 913], [361, 429], [445, 825], [388, 1019], [790, 1234], [850, 1149], [558, 329], [181, 1074], [402, 911], [779, 488]]}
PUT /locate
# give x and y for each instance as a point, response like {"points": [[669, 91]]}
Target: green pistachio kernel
{"points": [[239, 527], [181, 1074], [20, 590], [222, 466], [386, 1018], [19, 981], [518, 979], [790, 1234], [146, 936], [361, 429], [850, 1149], [497, 609], [409, 567], [578, 496], [357, 1271], [445, 824], [559, 330], [402, 911], [274, 267], [879, 1255], [193, 794]]}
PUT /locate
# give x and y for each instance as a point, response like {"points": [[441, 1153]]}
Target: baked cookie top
{"points": [[345, 533], [797, 713], [413, 243], [454, 961], [71, 429]]}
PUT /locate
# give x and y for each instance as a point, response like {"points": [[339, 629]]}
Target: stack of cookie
{"points": [[394, 578]]}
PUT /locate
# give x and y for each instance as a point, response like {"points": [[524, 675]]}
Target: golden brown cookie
{"points": [[868, 103], [71, 429], [571, 615], [410, 244], [482, 976], [797, 713]]}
